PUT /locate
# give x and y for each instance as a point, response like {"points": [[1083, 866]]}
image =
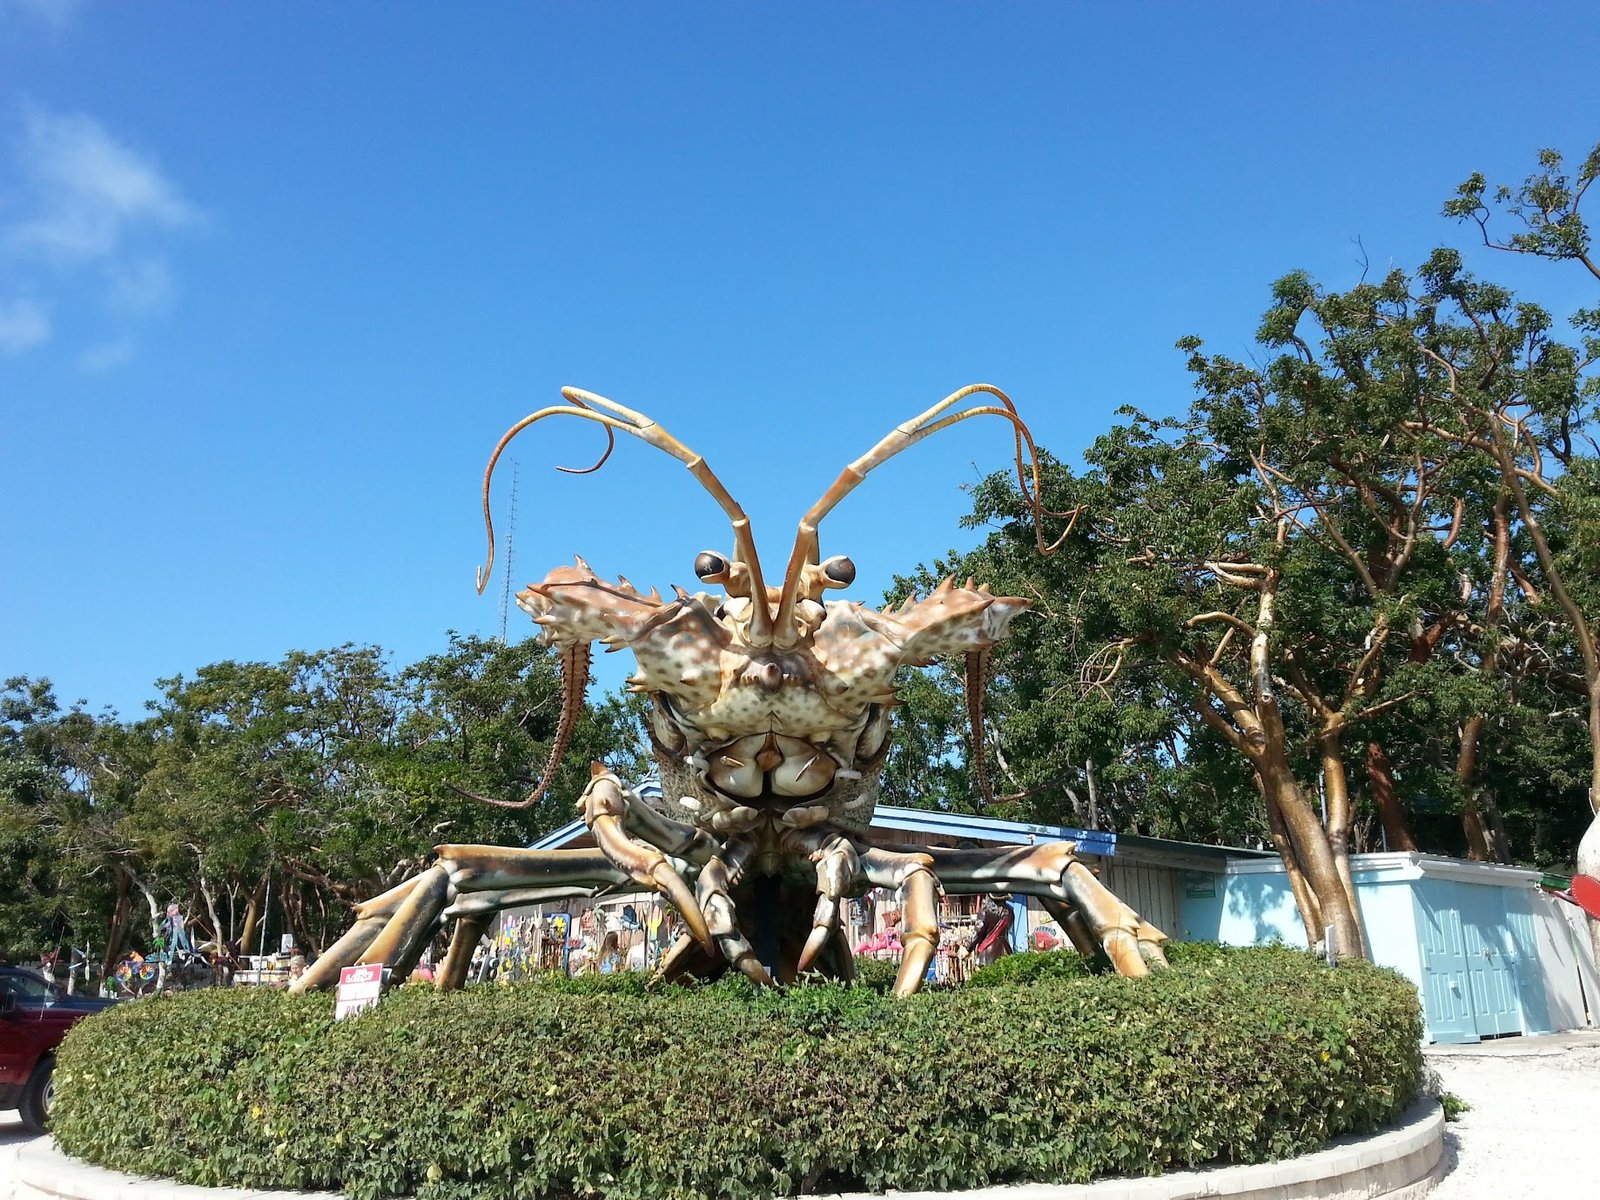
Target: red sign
{"points": [[1586, 891], [359, 988]]}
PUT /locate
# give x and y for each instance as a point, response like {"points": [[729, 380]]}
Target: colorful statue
{"points": [[770, 718]]}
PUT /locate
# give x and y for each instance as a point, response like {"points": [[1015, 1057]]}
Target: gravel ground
{"points": [[1533, 1128], [1534, 1125], [12, 1135]]}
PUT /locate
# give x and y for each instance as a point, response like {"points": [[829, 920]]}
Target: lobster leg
{"points": [[372, 917], [463, 941], [838, 866], [716, 881], [342, 953], [605, 804], [1072, 924], [686, 957], [401, 942], [1051, 871], [661, 831], [466, 881], [913, 870]]}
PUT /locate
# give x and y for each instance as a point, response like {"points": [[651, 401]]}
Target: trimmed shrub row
{"points": [[598, 1088]]}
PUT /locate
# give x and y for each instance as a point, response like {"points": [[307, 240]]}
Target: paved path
{"points": [[1533, 1130], [1534, 1126], [12, 1135]]}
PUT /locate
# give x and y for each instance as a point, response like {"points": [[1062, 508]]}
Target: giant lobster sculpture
{"points": [[770, 717]]}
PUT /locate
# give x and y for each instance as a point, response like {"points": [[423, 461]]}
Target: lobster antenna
{"points": [[805, 557], [617, 417]]}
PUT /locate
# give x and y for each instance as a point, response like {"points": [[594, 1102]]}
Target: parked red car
{"points": [[34, 1016]]}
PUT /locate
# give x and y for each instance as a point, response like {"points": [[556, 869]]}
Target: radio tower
{"points": [[511, 529]]}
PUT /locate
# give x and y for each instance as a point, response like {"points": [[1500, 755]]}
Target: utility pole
{"points": [[511, 529]]}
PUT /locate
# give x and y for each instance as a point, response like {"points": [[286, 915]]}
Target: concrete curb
{"points": [[1402, 1163]]}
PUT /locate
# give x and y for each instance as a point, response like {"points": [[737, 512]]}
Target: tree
{"points": [[1320, 547], [65, 777], [1522, 436], [36, 773]]}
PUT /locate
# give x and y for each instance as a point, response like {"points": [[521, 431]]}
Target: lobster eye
{"points": [[841, 570], [709, 566]]}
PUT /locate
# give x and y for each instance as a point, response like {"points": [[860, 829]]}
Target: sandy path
{"points": [[12, 1136], [1534, 1126]]}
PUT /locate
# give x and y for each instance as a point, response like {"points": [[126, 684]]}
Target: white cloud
{"points": [[54, 15], [84, 225], [24, 324], [87, 192], [139, 288], [106, 356]]}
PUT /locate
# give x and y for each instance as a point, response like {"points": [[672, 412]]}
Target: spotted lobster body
{"points": [[770, 716], [756, 739]]}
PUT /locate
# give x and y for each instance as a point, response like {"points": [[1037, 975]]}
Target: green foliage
{"points": [[1545, 205], [1345, 472], [1454, 1106], [876, 974], [1197, 954], [601, 1089], [1031, 967], [50, 830], [323, 778]]}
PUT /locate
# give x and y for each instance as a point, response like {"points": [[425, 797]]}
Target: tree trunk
{"points": [[151, 902], [1312, 847], [1594, 754], [1094, 794], [1582, 631], [1340, 818], [1480, 816], [117, 932], [155, 929], [1255, 728], [1466, 766], [252, 917], [1386, 798], [1314, 853], [1305, 900], [219, 936], [291, 902]]}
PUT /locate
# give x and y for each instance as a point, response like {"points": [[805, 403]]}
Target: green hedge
{"points": [[1033, 967], [599, 1088]]}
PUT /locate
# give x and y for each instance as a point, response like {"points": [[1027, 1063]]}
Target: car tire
{"points": [[38, 1095]]}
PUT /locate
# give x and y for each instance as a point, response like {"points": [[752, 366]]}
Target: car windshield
{"points": [[28, 989]]}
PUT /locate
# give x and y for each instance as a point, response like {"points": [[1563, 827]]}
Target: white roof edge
{"points": [[1400, 864]]}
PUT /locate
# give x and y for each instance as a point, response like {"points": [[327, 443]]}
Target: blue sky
{"points": [[274, 278]]}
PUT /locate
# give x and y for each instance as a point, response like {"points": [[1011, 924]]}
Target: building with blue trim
{"points": [[1491, 952]]}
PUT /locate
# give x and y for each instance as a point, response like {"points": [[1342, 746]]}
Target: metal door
{"points": [[1447, 1001], [1492, 960]]}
